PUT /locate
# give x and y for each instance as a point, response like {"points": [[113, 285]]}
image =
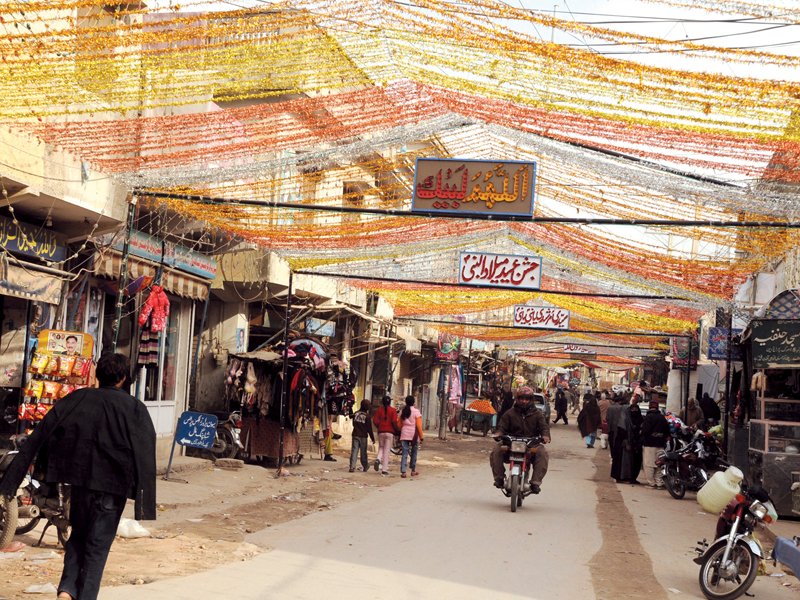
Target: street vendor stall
{"points": [[253, 385], [772, 353], [479, 415]]}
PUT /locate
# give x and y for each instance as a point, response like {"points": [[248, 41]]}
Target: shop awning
{"points": [[109, 264], [31, 282]]}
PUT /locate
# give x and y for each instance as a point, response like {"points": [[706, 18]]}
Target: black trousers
{"points": [[561, 414], [94, 517]]}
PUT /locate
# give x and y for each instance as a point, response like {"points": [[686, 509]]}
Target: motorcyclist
{"points": [[522, 419]]}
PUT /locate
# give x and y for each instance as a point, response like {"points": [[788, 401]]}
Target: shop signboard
{"points": [[503, 270], [30, 240], [540, 317], [718, 344], [461, 187], [775, 343], [174, 256]]}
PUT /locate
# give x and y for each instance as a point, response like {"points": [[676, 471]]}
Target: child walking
{"points": [[362, 428]]}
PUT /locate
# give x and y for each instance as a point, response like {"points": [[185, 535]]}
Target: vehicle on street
{"points": [[540, 402], [228, 439], [689, 468], [729, 565], [521, 455]]}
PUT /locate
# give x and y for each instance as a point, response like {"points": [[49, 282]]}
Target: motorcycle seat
{"points": [[672, 455]]}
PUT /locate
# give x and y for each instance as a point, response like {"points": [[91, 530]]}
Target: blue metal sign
{"points": [[196, 430]]}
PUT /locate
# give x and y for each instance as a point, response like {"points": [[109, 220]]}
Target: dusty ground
{"points": [[198, 534]]}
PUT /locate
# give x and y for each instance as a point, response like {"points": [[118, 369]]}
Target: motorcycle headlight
{"points": [[759, 510], [518, 446]]}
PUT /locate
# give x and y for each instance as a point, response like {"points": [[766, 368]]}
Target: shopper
{"points": [[655, 433], [410, 436], [362, 429], [385, 421], [102, 442], [589, 420], [561, 405]]}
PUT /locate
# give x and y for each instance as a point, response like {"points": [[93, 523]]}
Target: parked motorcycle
{"points": [[690, 467], [521, 454], [228, 437], [8, 506], [36, 500], [729, 565]]}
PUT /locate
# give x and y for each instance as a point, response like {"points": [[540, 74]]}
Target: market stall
{"points": [[772, 354], [317, 388]]}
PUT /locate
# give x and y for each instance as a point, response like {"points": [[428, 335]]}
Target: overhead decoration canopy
{"points": [[257, 120]]}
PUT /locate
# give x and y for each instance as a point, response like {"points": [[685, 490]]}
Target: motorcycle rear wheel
{"points": [[224, 445], [716, 588], [8, 520], [675, 487], [516, 493]]}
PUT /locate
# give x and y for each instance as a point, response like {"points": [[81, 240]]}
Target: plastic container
{"points": [[720, 490]]}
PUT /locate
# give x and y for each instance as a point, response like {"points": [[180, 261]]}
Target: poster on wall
{"points": [[679, 351], [448, 347], [718, 344]]}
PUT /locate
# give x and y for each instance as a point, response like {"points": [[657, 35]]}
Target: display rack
{"points": [[62, 363]]}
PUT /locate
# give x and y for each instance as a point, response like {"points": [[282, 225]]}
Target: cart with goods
{"points": [[479, 415]]}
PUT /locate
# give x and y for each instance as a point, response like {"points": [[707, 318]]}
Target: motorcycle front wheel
{"points": [[675, 487], [726, 582], [8, 520], [515, 492]]}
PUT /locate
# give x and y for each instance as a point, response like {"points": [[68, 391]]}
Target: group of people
{"points": [[407, 425]]}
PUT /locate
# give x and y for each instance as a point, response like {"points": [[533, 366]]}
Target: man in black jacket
{"points": [[522, 419], [102, 443], [655, 433]]}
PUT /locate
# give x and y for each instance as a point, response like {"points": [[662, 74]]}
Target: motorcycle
{"points": [[690, 467], [521, 454], [228, 436], [9, 507], [729, 565], [35, 501]]}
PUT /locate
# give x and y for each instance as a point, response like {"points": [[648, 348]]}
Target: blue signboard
{"points": [[196, 430], [718, 344], [30, 240]]}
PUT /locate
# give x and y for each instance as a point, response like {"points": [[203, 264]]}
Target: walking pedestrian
{"points": [[574, 396], [385, 421], [561, 404], [102, 442], [410, 436], [603, 404], [655, 433], [589, 420], [362, 428]]}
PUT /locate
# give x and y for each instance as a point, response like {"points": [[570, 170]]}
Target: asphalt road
{"points": [[452, 536]]}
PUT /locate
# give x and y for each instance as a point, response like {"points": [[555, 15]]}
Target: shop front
{"points": [[772, 355], [30, 292], [166, 289]]}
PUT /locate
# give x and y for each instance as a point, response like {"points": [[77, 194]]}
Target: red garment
{"points": [[156, 308], [385, 419]]}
